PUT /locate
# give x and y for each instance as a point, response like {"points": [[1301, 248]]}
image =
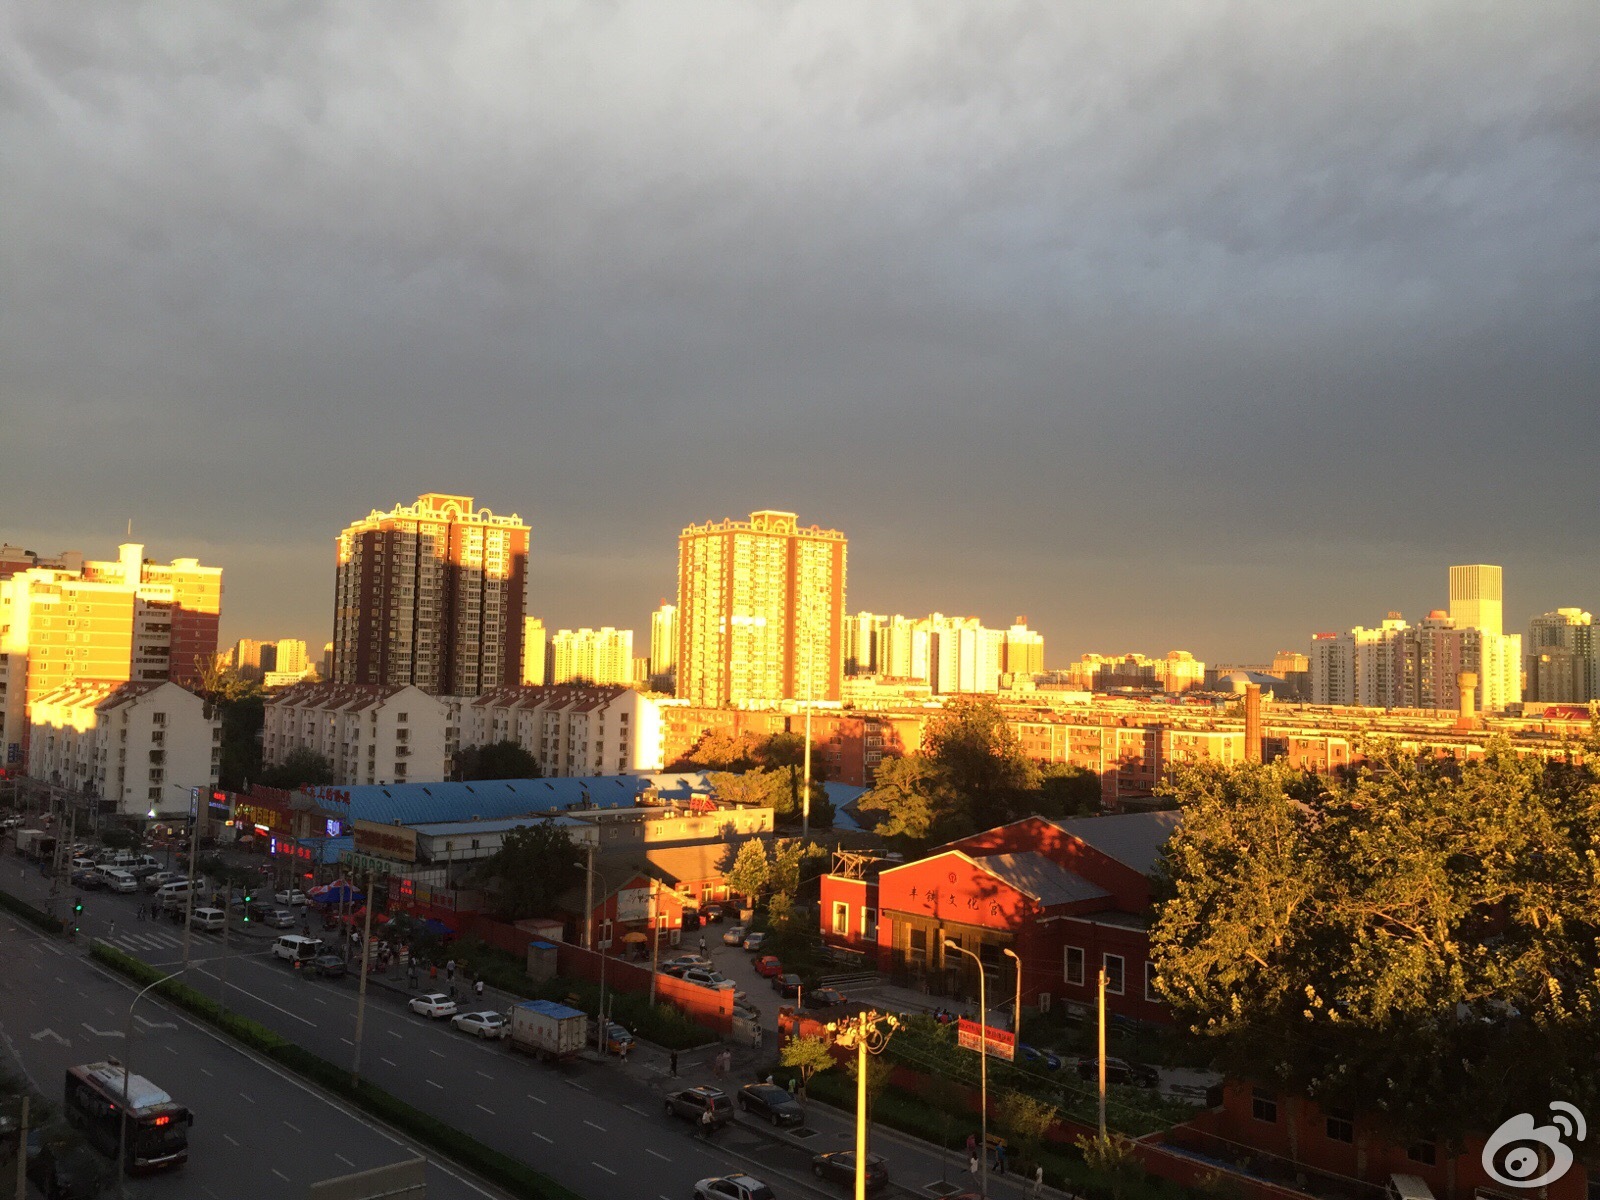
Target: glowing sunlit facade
{"points": [[431, 594], [760, 611]]}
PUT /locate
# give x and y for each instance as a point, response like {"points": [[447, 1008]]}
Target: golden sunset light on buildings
{"points": [[760, 611]]}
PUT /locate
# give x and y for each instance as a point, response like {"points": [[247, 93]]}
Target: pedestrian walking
{"points": [[477, 989], [450, 970], [972, 1144], [972, 1165], [113, 932], [1038, 1182], [138, 911], [412, 976], [705, 1123], [702, 943], [433, 972], [672, 1064], [1000, 1159]]}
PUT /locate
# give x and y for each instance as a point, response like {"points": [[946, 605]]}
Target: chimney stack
{"points": [[1252, 722], [1467, 686]]}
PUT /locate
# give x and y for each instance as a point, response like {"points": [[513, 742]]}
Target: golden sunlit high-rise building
{"points": [[760, 611], [431, 594]]}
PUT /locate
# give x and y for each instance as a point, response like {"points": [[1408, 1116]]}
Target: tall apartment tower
{"points": [[1475, 598], [598, 656], [535, 645], [760, 611], [1560, 658], [664, 639], [431, 594]]}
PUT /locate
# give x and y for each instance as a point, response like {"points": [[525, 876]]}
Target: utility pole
{"points": [[361, 995], [1102, 990], [805, 795], [655, 937], [983, 1065], [588, 902], [22, 1150]]}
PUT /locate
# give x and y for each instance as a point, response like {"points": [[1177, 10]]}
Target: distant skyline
{"points": [[1195, 327]]}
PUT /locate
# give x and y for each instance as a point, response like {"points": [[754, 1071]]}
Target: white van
{"points": [[209, 919], [118, 880], [173, 895], [297, 948]]}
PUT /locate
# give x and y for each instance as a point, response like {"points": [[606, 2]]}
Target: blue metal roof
{"points": [[488, 799]]}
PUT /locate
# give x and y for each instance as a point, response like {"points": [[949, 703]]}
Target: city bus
{"points": [[158, 1126]]}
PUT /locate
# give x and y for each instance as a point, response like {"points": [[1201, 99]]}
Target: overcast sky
{"points": [[1192, 325]]}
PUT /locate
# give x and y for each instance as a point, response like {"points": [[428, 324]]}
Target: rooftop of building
{"points": [[1044, 880], [1136, 840]]}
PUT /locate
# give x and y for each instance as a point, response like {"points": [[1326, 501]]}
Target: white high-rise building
{"points": [[598, 656], [664, 639], [1560, 657], [1475, 598], [535, 651]]}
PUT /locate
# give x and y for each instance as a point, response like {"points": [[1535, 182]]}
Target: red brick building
{"points": [[1067, 897]]}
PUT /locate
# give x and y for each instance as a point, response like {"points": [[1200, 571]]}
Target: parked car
{"points": [[772, 1102], [839, 1166], [711, 914], [491, 1026], [616, 1037], [734, 935], [159, 880], [787, 986], [706, 978], [433, 1004], [1120, 1071], [279, 918], [754, 941], [292, 896], [89, 879], [743, 1008], [120, 881], [63, 1167], [768, 966], [330, 966], [822, 998], [733, 1187], [679, 963], [690, 1103]]}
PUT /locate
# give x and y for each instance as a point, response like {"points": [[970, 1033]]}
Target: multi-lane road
{"points": [[596, 1128]]}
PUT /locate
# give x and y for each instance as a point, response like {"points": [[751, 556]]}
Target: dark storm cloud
{"points": [[1203, 325]]}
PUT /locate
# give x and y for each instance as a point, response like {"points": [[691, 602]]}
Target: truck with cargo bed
{"points": [[553, 1031], [36, 843]]}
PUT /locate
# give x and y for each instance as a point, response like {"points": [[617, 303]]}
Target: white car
{"points": [[292, 896], [433, 1004], [481, 1024], [705, 978], [734, 935], [160, 879], [733, 1187]]}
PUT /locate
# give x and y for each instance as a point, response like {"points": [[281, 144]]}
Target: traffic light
{"points": [[77, 907], [247, 899]]}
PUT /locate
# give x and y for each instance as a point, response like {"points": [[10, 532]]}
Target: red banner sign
{"points": [[1002, 1042]]}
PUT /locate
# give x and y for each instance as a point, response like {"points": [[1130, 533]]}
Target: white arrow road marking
{"points": [[102, 1032], [154, 1024], [52, 1035]]}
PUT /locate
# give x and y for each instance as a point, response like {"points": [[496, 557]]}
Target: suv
{"points": [[1119, 1070], [691, 1103], [706, 978]]}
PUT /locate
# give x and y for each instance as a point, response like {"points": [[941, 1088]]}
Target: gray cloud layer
{"points": [[1199, 325]]}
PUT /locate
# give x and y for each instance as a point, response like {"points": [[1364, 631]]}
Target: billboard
{"points": [[1002, 1042]]}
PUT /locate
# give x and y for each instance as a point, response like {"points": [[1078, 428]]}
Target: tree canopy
{"points": [[504, 759], [533, 867], [301, 767], [1422, 938]]}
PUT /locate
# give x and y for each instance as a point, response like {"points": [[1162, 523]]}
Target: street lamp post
{"points": [[868, 1033], [983, 1067], [194, 857], [127, 1075], [588, 920], [1016, 1011]]}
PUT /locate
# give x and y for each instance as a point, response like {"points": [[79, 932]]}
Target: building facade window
{"points": [[1151, 992], [1263, 1105], [1423, 1151], [869, 922], [841, 918], [1341, 1125], [1072, 965], [1113, 966]]}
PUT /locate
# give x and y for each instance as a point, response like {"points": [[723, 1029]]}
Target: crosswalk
{"points": [[135, 943]]}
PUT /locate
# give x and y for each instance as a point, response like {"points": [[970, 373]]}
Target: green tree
{"points": [[879, 1071], [1066, 791], [975, 746], [720, 750], [497, 760], [301, 767], [786, 752], [760, 789], [918, 801], [794, 862], [1025, 1121], [807, 1055], [533, 867], [751, 872], [1111, 1155]]}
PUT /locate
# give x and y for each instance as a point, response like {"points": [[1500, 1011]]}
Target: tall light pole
{"points": [[1016, 1012], [127, 1075], [361, 991], [868, 1033], [805, 795], [1102, 1007], [983, 1066], [194, 857], [588, 920]]}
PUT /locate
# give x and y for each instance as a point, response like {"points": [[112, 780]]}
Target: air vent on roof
{"points": [[509, 788], [468, 786], [388, 793], [550, 785], [426, 792]]}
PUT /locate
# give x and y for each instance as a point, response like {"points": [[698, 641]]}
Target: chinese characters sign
{"points": [[1002, 1042]]}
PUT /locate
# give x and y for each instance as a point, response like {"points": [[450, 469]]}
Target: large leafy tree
{"points": [[972, 742], [533, 867], [1423, 938], [916, 800], [720, 750], [504, 759], [751, 871], [301, 767]]}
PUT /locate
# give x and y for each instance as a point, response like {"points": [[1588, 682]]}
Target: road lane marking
{"points": [[490, 1111], [662, 1157], [102, 1032], [347, 1041], [393, 1034], [537, 1099], [440, 1053], [636, 1108], [344, 1160], [440, 1086], [232, 1141], [268, 1003], [320, 1001], [542, 1138], [203, 1071], [576, 1084], [592, 1125], [242, 1096], [486, 1075], [296, 1128], [280, 1174], [390, 1061], [602, 1166]]}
